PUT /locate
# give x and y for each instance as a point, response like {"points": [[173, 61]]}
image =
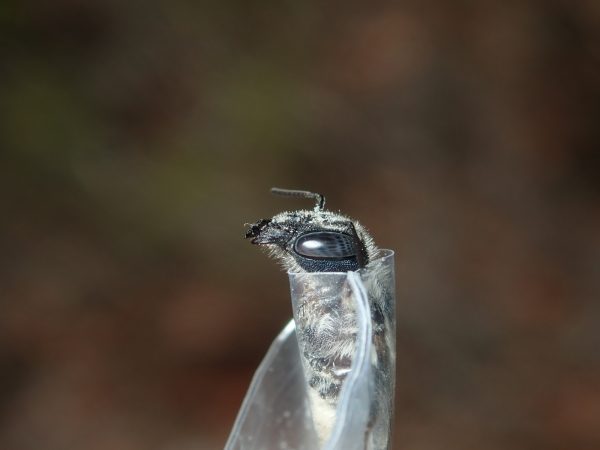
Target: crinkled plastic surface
{"points": [[327, 381]]}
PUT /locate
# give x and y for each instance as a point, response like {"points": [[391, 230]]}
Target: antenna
{"points": [[301, 194]]}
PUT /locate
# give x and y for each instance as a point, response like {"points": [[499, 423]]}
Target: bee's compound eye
{"points": [[324, 245]]}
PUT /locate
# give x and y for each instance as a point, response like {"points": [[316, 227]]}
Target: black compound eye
{"points": [[325, 245]]}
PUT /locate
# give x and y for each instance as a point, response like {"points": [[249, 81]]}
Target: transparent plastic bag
{"points": [[327, 381]]}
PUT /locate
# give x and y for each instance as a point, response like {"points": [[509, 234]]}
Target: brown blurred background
{"points": [[137, 138]]}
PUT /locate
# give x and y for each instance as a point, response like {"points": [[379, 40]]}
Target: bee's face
{"points": [[314, 241]]}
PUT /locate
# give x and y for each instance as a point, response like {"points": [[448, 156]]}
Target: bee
{"points": [[308, 243], [313, 241]]}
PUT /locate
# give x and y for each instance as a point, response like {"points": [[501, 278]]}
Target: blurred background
{"points": [[137, 138]]}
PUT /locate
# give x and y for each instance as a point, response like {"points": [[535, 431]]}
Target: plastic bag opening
{"points": [[327, 380]]}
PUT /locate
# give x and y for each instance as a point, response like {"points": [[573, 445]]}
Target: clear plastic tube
{"points": [[328, 379]]}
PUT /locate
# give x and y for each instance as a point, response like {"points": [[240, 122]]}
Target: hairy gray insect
{"points": [[319, 241]]}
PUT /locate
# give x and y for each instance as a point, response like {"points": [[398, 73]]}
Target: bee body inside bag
{"points": [[327, 382]]}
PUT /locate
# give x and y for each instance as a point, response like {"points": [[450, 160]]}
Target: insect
{"points": [[314, 241], [309, 244]]}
